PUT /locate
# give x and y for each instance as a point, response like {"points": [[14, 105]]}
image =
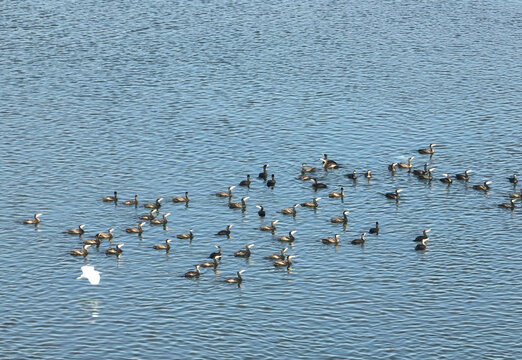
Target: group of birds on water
{"points": [[279, 259]]}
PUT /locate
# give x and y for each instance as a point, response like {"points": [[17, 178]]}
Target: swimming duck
{"points": [[163, 221], [509, 205], [329, 164], [180, 199], [107, 235], [423, 236], [361, 240], [225, 194], [375, 230], [261, 211], [392, 167], [115, 251], [215, 253], [165, 246], [278, 256], [513, 179], [245, 182], [427, 176], [263, 175], [341, 219], [406, 165], [483, 187], [189, 235], [154, 205], [225, 232], [286, 262], [244, 252], [150, 216], [289, 238], [331, 240], [270, 227], [80, 252], [193, 274], [213, 264], [235, 205], [393, 195], [96, 241], [317, 185], [78, 231], [132, 202], [446, 179], [516, 195], [33, 221], [305, 169], [421, 172], [111, 198], [427, 151], [422, 245], [352, 176], [311, 204], [236, 280], [335, 194], [290, 211], [271, 182], [136, 230], [464, 176]]}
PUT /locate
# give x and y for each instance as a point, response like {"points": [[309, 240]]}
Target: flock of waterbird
{"points": [[280, 259]]}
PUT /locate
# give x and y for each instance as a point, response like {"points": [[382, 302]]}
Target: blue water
{"points": [[156, 98]]}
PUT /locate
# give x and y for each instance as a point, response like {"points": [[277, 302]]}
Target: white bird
{"points": [[90, 274]]}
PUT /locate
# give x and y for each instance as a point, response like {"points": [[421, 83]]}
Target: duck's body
{"points": [[368, 174], [263, 175], [154, 205], [213, 264], [311, 204], [193, 274], [271, 182], [181, 199], [393, 195], [278, 256], [513, 179], [150, 216], [331, 240], [427, 175], [429, 151], [336, 195], [289, 238], [421, 172], [290, 211], [341, 219], [423, 236], [464, 176], [375, 230], [244, 253], [111, 198], [352, 176], [189, 235], [35, 220], [245, 182], [285, 262], [165, 246], [226, 231], [78, 231], [446, 179], [407, 165], [132, 202], [215, 253], [136, 230], [96, 241], [114, 251], [241, 205], [516, 195], [509, 205], [305, 169], [163, 221], [317, 185], [329, 164], [261, 211], [108, 235], [270, 227], [361, 240], [80, 252], [422, 245], [227, 194], [483, 187], [236, 280]]}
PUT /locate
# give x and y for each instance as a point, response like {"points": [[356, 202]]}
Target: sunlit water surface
{"points": [[156, 98]]}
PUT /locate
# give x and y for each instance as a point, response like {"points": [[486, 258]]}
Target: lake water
{"points": [[156, 98]]}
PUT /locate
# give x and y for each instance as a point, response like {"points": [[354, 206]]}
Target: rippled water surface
{"points": [[156, 98]]}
